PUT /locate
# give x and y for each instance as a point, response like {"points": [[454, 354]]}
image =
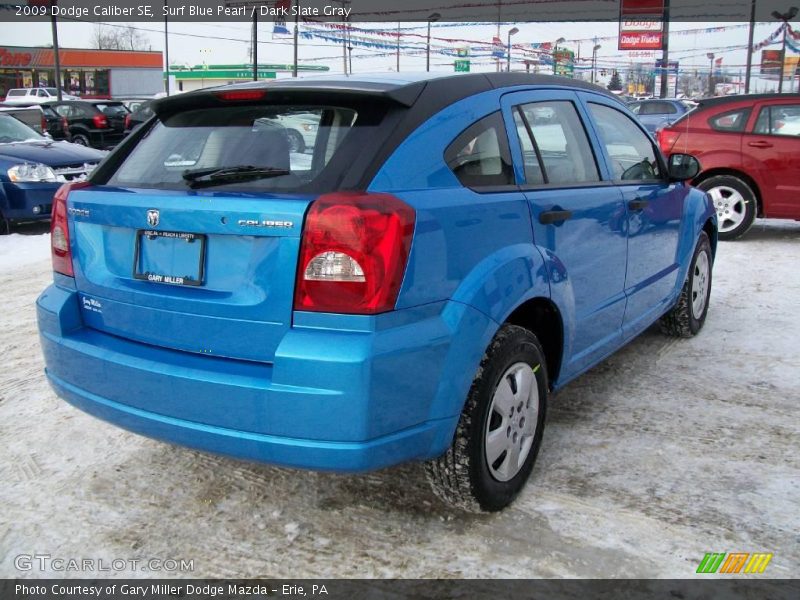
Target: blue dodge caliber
{"points": [[412, 286]]}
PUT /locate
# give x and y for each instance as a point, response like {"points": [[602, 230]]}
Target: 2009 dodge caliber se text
{"points": [[412, 286]]}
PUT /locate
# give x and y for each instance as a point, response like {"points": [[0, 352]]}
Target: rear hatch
{"points": [[190, 240], [115, 112]]}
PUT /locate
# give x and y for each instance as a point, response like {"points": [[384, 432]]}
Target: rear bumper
{"points": [[28, 201], [341, 400]]}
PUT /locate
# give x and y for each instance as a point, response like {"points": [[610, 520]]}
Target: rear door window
{"points": [[113, 109], [235, 137], [778, 119], [560, 142]]}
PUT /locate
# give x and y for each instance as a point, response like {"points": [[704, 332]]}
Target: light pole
{"points": [[710, 57], [431, 19], [594, 61], [785, 17], [511, 32], [555, 51]]}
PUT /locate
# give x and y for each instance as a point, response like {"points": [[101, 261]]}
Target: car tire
{"points": [[735, 203], [296, 142], [81, 139], [5, 225], [688, 315], [500, 428]]}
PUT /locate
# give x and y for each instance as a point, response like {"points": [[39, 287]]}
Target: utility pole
{"points": [[750, 46], [710, 57], [344, 38], [785, 17], [296, 33], [398, 46], [166, 52], [255, 45], [665, 53], [56, 57]]}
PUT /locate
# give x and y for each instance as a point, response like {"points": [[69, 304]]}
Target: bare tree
{"points": [[118, 37]]}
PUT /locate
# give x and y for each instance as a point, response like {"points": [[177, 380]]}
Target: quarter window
{"points": [[479, 156], [559, 143], [631, 151], [730, 121], [779, 120]]}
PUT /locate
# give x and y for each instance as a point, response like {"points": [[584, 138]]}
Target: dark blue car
{"points": [[32, 167], [655, 114], [446, 253]]}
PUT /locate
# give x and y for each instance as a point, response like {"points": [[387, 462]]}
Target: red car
{"points": [[749, 151]]}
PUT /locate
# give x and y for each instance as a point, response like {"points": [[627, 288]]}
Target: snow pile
{"points": [[17, 250]]}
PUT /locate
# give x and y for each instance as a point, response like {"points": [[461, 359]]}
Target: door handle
{"points": [[638, 204], [554, 216], [759, 144]]}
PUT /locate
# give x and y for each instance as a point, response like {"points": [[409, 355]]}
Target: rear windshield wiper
{"points": [[221, 175]]}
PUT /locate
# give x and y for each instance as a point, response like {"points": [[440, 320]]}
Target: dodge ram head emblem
{"points": [[152, 217]]}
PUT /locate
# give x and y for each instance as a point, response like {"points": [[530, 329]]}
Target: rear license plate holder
{"points": [[159, 252]]}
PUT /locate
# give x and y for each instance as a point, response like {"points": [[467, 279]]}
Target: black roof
{"points": [[431, 91], [721, 100]]}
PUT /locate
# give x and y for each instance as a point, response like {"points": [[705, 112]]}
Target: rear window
{"points": [[264, 137], [733, 120], [112, 109], [16, 92]]}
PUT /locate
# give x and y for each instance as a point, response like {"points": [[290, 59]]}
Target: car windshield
{"points": [[12, 130], [294, 144]]}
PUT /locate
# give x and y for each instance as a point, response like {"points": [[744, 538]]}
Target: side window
{"points": [[563, 148], [733, 120], [779, 120], [632, 154], [42, 94], [479, 156], [63, 110]]}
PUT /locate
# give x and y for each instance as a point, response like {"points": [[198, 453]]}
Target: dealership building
{"points": [[85, 73]]}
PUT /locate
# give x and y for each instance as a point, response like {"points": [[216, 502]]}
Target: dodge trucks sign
{"points": [[641, 25]]}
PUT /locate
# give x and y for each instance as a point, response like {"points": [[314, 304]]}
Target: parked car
{"points": [[415, 291], [41, 118], [142, 112], [133, 104], [97, 123], [36, 95], [32, 167], [748, 147], [32, 116], [655, 114]]}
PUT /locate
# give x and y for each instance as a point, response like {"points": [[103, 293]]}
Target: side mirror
{"points": [[683, 167]]}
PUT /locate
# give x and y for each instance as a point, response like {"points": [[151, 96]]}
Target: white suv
{"points": [[36, 95]]}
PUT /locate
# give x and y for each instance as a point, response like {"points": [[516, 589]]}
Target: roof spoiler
{"points": [[283, 91]]}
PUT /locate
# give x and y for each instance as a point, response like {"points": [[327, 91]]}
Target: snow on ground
{"points": [[19, 250], [666, 451]]}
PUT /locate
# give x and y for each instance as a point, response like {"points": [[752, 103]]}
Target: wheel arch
{"points": [[542, 317], [738, 174]]}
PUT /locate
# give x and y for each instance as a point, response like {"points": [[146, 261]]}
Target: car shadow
{"points": [[765, 230], [32, 228]]}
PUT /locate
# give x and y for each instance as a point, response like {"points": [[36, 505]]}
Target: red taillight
{"points": [[44, 124], [100, 121], [666, 139], [353, 254], [241, 95], [127, 121], [59, 229]]}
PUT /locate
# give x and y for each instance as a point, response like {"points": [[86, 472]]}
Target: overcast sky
{"points": [[193, 43]]}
